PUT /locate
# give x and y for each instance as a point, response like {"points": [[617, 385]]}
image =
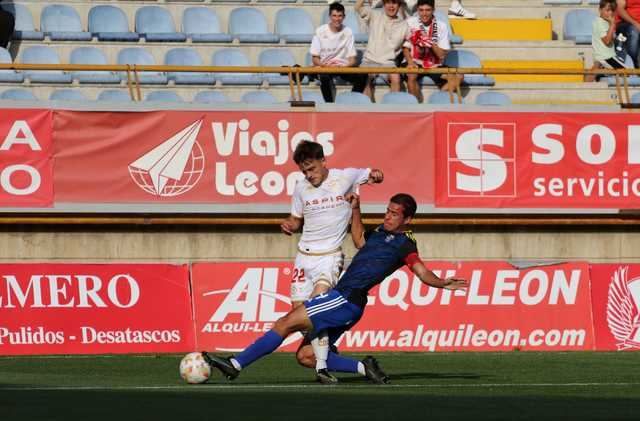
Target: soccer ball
{"points": [[194, 369]]}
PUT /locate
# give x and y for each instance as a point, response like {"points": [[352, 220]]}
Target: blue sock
{"points": [[337, 362], [266, 344]]}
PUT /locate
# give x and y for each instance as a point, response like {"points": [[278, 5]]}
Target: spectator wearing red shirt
{"points": [[628, 24]]}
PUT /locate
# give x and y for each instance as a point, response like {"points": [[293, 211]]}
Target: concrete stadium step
{"points": [[529, 50], [503, 29], [535, 64]]}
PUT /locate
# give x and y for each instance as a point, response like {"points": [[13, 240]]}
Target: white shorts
{"points": [[311, 270]]}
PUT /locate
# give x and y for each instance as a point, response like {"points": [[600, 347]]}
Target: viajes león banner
{"points": [[231, 157], [538, 160], [94, 309]]}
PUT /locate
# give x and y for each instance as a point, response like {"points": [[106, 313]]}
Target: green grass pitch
{"points": [[434, 386]]}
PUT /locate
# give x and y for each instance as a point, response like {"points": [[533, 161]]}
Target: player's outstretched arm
{"points": [[430, 278], [291, 224], [375, 176], [357, 227]]}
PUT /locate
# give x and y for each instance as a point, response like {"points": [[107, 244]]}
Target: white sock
{"points": [[320, 346], [361, 369], [235, 364]]}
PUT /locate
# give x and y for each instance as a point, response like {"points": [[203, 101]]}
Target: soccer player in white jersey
{"points": [[320, 206]]}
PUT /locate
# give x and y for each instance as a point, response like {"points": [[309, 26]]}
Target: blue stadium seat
{"points": [[294, 25], [109, 23], [67, 95], [247, 24], [352, 98], [234, 57], [24, 28], [493, 98], [211, 97], [402, 98], [201, 24], [163, 96], [275, 57], [62, 23], [465, 58], [453, 38], [91, 55], [443, 98], [114, 95], [8, 75], [155, 23], [635, 98], [350, 21], [314, 96], [577, 25], [138, 55], [41, 54], [187, 57], [18, 94], [258, 97]]}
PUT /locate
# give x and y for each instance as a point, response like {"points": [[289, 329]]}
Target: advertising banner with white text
{"points": [[94, 309]]}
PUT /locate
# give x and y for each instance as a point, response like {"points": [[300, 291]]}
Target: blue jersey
{"points": [[382, 254]]}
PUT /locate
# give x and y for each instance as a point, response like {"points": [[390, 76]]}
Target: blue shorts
{"points": [[332, 312]]}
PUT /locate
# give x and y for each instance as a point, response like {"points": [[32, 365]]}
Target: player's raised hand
{"points": [[455, 283], [375, 176], [354, 199]]}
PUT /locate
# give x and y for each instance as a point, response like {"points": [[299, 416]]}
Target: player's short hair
{"points": [[307, 150], [338, 7], [431, 3], [409, 205], [605, 3]]}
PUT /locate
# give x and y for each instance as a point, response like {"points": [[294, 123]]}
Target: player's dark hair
{"points": [[605, 3], [307, 150], [409, 205], [431, 3], [338, 7]]}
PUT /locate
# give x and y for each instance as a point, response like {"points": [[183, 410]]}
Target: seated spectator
{"points": [[387, 32], [628, 24], [333, 45], [426, 47], [602, 40], [7, 25]]}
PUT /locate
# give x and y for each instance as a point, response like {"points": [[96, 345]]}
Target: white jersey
{"points": [[333, 47], [324, 209]]}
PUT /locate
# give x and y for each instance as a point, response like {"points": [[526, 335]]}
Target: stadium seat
{"points": [[155, 23], [62, 23], [163, 96], [352, 98], [201, 24], [577, 25], [91, 55], [247, 24], [493, 98], [67, 95], [313, 96], [234, 57], [350, 21], [294, 25], [211, 97], [41, 54], [453, 38], [275, 57], [138, 55], [635, 98], [258, 97], [109, 23], [403, 98], [187, 57], [115, 95], [18, 94], [8, 75], [465, 58], [443, 98], [24, 28]]}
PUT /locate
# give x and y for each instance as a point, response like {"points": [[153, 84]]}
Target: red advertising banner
{"points": [[231, 157], [541, 308], [615, 290], [26, 158], [538, 160], [94, 309]]}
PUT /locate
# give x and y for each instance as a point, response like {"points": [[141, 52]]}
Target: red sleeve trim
{"points": [[412, 258]]}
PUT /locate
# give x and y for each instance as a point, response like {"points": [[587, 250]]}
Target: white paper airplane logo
{"points": [[173, 167]]}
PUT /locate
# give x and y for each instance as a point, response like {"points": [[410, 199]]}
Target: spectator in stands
{"points": [[387, 32], [7, 25], [602, 40], [333, 45], [628, 24], [426, 47]]}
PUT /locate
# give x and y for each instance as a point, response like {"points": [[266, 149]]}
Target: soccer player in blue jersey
{"points": [[381, 252]]}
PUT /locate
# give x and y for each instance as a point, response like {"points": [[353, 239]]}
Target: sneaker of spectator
{"points": [[456, 10]]}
